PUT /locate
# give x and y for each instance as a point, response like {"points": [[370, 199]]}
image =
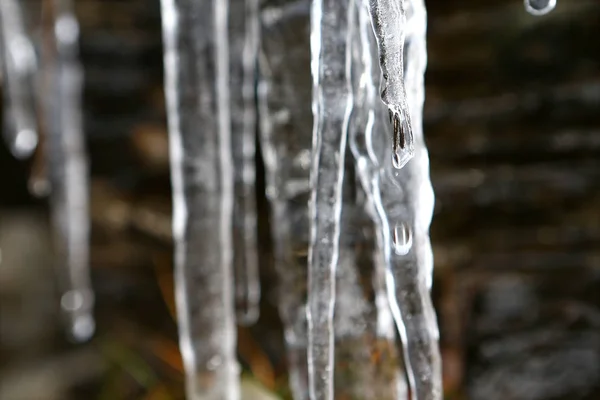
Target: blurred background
{"points": [[512, 122]]}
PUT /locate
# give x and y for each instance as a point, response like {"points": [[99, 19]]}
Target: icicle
{"points": [[18, 72], [539, 7], [332, 106], [407, 204], [197, 89], [244, 34], [364, 150], [68, 165], [389, 23], [285, 140]]}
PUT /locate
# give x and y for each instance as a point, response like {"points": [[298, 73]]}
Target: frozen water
{"points": [[389, 24], [331, 28], [18, 72], [196, 58], [62, 78], [244, 32]]}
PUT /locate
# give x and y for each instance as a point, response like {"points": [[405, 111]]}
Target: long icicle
{"points": [[18, 73], [407, 206], [332, 106], [197, 90], [389, 22], [244, 35], [68, 164], [365, 147]]}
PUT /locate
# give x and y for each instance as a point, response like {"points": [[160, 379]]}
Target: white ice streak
{"points": [[18, 74], [197, 90], [244, 32], [332, 105], [68, 166]]}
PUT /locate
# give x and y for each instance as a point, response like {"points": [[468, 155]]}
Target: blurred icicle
{"points": [[18, 75], [68, 164], [196, 58], [244, 32]]}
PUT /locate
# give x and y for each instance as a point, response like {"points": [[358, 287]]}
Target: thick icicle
{"points": [[197, 90], [389, 23], [364, 326], [539, 7], [244, 30], [18, 73], [68, 164], [407, 207], [332, 106]]}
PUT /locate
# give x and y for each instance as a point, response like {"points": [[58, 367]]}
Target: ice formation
{"points": [[330, 39], [197, 89], [18, 73], [244, 32], [350, 229], [62, 79]]}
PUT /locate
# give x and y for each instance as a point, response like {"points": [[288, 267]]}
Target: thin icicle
{"points": [[407, 207], [244, 32], [285, 140], [389, 23], [539, 7], [332, 106], [18, 73], [197, 89], [365, 148], [68, 165]]}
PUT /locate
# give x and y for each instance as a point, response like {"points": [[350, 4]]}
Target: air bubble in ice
{"points": [[402, 239]]}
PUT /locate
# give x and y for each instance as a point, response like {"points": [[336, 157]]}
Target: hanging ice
{"points": [[362, 317], [18, 73], [332, 105], [244, 33], [196, 57], [68, 165], [389, 23], [406, 209], [539, 7]]}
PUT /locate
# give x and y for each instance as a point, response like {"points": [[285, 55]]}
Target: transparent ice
{"points": [[350, 229], [389, 24], [196, 58], [330, 37], [62, 79], [244, 32], [18, 74]]}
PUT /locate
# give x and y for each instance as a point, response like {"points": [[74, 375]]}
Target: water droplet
{"points": [[214, 363], [83, 328], [25, 142], [402, 239], [539, 7]]}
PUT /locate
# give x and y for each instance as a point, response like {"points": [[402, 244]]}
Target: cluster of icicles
{"points": [[212, 56]]}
